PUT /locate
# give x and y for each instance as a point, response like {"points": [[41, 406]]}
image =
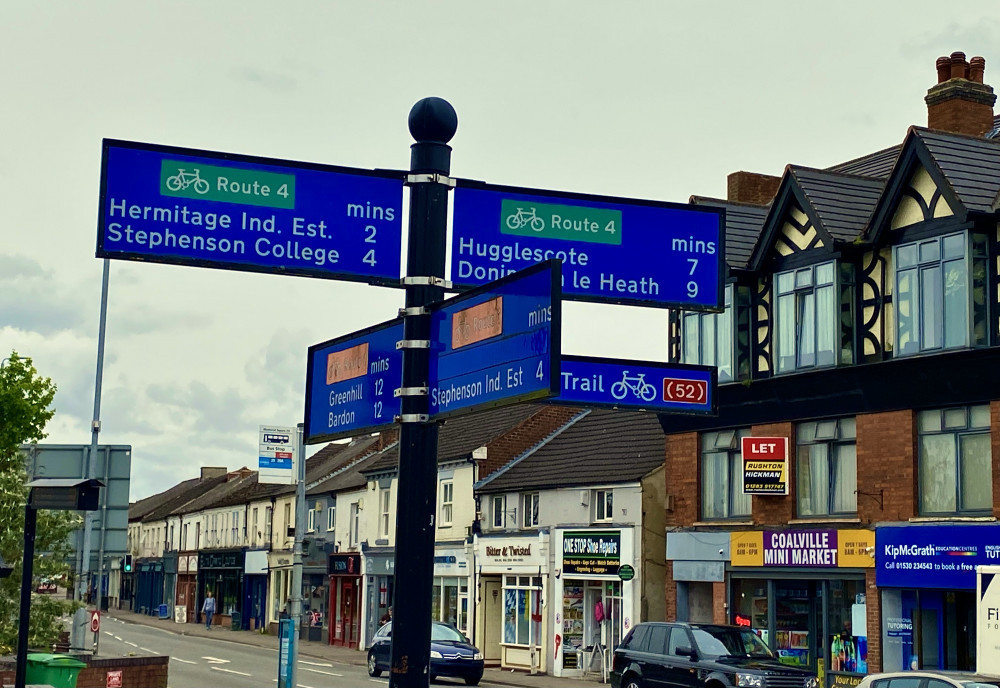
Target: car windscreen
{"points": [[442, 632], [736, 642]]}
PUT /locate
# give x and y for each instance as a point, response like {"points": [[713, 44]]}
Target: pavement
{"points": [[332, 653]]}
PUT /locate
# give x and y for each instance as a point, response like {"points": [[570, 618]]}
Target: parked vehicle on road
{"points": [[685, 655], [452, 655], [928, 679]]}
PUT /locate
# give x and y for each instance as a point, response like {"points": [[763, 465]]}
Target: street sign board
{"points": [[193, 207], [497, 345], [614, 250], [350, 383], [95, 620], [277, 455], [644, 385]]}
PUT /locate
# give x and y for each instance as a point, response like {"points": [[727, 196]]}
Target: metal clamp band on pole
{"points": [[427, 282], [413, 344], [430, 179], [412, 418], [409, 392], [414, 310]]}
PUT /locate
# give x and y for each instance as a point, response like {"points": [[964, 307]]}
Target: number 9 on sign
{"points": [[692, 289]]}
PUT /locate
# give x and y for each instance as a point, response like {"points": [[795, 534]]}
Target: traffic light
{"points": [[127, 564]]}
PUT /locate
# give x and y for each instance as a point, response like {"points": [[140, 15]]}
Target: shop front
{"points": [[803, 592], [279, 586], [254, 590], [221, 571], [926, 577], [345, 599], [315, 591], [187, 588], [450, 594], [170, 564], [597, 595], [511, 572], [149, 586], [379, 567]]}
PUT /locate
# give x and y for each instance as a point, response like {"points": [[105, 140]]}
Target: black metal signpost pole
{"points": [[27, 571], [432, 123]]}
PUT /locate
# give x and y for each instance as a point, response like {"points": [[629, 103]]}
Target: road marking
{"points": [[146, 649], [216, 660], [229, 671], [325, 664], [320, 671], [119, 639], [302, 685], [109, 633], [132, 644], [186, 661]]}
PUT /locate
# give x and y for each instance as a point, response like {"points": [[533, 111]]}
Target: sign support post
{"points": [[432, 123], [295, 608]]}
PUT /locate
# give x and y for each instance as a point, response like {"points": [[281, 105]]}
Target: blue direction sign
{"points": [[614, 250], [646, 385], [193, 207], [350, 383], [497, 345]]}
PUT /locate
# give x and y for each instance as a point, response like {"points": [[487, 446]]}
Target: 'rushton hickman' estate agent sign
{"points": [[765, 465]]}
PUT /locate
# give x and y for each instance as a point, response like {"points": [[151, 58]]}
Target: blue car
{"points": [[452, 654]]}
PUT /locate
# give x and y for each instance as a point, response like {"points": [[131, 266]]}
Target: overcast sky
{"points": [[654, 100]]}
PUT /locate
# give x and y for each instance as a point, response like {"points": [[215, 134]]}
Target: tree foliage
{"points": [[25, 409]]}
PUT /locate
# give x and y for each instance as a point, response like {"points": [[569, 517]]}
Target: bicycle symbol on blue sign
{"points": [[636, 384], [523, 218]]}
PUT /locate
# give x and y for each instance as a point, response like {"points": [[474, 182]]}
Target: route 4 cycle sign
{"points": [[192, 207], [614, 250]]}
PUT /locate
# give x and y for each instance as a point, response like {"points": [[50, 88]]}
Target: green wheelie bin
{"points": [[59, 671]]}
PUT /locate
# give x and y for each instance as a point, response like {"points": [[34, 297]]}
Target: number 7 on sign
{"points": [[694, 265]]}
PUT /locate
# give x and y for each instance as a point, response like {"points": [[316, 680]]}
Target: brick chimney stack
{"points": [[960, 102], [751, 187]]}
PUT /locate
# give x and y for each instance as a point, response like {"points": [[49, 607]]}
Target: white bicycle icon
{"points": [[523, 218], [183, 180], [636, 384]]}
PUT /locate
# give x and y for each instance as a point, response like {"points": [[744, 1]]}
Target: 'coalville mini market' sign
{"points": [[801, 548]]}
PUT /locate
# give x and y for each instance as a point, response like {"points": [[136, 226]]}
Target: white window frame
{"points": [[529, 510], [501, 502], [354, 526], [447, 502], [707, 339], [604, 505], [331, 518], [385, 502], [311, 527], [806, 323]]}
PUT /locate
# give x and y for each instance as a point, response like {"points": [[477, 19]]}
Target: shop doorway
{"points": [[348, 613], [492, 602]]}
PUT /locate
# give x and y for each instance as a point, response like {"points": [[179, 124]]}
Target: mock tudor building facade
{"points": [[862, 327]]}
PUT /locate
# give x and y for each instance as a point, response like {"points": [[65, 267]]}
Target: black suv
{"points": [[683, 655]]}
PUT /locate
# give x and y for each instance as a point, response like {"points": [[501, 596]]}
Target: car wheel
{"points": [[473, 680], [632, 682], [373, 669]]}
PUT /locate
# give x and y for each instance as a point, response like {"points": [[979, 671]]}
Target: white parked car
{"points": [[928, 679]]}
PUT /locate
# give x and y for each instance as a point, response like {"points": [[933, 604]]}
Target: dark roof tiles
{"points": [[603, 447], [743, 225]]}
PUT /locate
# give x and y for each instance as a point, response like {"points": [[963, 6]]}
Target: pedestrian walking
{"points": [[208, 609]]}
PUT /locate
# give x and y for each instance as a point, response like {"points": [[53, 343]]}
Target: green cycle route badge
{"points": [[551, 221], [227, 184]]}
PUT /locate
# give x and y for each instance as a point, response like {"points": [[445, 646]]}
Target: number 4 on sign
{"points": [[540, 373]]}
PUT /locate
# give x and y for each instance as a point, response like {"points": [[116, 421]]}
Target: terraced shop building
{"points": [[862, 327]]}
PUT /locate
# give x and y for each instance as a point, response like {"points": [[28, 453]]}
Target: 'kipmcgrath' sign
{"points": [[765, 465]]}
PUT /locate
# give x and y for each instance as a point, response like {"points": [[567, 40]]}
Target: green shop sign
{"points": [[227, 184]]}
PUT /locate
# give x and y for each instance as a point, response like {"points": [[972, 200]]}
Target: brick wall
{"points": [[873, 613], [137, 672], [681, 470], [777, 510], [995, 442], [718, 603], [669, 594], [887, 466], [522, 437], [751, 187]]}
